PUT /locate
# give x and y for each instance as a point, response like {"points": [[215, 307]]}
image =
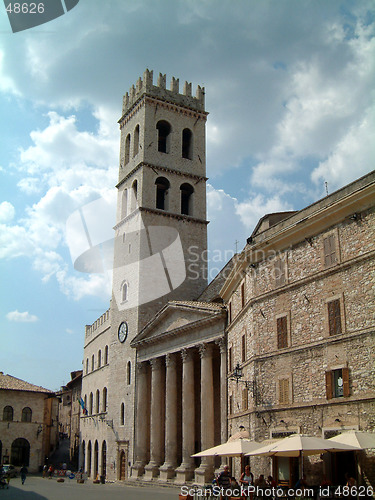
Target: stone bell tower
{"points": [[161, 228]]}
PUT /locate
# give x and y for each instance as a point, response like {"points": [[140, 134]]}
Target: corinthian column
{"points": [[205, 471], [141, 422], [157, 419], [167, 470], [223, 389], [185, 471]]}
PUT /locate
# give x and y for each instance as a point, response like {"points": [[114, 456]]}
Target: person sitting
{"points": [[224, 479]]}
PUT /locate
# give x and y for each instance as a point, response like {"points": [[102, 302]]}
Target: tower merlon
{"points": [[160, 91]]}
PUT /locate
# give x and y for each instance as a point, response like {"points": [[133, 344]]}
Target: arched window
{"points": [[127, 149], [129, 373], [162, 186], [99, 358], [97, 401], [83, 455], [122, 416], [124, 292], [96, 459], [85, 401], [124, 204], [134, 196], [91, 403], [187, 144], [105, 399], [20, 453], [87, 365], [26, 414], [8, 413], [106, 355], [136, 141], [164, 133], [88, 465], [92, 363], [186, 199], [104, 458]]}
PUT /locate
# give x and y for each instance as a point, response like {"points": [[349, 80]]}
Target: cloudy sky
{"points": [[290, 92]]}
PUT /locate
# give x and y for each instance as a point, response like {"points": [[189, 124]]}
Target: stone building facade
{"points": [[29, 423], [301, 324], [159, 243]]}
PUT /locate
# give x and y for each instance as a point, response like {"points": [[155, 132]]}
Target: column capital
{"points": [[142, 367], [205, 350], [156, 363], [187, 355], [170, 359], [222, 345]]}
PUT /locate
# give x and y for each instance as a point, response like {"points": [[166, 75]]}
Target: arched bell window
{"points": [[136, 141], [187, 199], [187, 144], [164, 133], [162, 186], [127, 149]]}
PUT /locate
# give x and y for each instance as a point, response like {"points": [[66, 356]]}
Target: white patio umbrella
{"points": [[362, 440], [298, 445], [235, 448]]}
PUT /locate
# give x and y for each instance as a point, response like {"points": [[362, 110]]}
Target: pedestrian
{"points": [[23, 473], [224, 480], [45, 469], [247, 479]]}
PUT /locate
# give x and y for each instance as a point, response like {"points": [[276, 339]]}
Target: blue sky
{"points": [[290, 92]]}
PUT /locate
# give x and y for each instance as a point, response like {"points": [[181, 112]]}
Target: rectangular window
{"points": [[329, 247], [230, 405], [279, 272], [284, 391], [230, 357], [243, 295], [337, 383], [243, 350], [230, 312], [245, 399], [282, 332], [334, 317]]}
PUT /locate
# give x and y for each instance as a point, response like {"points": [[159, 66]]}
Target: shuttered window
{"points": [[230, 359], [284, 391], [334, 317], [230, 312], [243, 348], [337, 383], [245, 399], [230, 405], [243, 298], [329, 245], [282, 332]]}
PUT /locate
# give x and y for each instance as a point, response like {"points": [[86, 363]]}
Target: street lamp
{"points": [[39, 430], [237, 376]]}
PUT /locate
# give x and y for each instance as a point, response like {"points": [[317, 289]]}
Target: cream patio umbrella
{"points": [[360, 439], [235, 448], [298, 445]]}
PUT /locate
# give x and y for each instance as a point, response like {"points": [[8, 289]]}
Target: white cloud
{"points": [[21, 317], [251, 210], [6, 211]]}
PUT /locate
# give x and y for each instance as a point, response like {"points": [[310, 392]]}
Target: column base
{"points": [[137, 471], [167, 471], [151, 471], [204, 474], [184, 473]]}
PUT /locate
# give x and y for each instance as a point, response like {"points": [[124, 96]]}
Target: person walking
{"points": [[23, 473]]}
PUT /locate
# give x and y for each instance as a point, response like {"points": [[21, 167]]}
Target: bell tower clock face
{"points": [[123, 332]]}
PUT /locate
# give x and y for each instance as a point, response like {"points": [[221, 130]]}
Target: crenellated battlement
{"points": [[160, 91]]}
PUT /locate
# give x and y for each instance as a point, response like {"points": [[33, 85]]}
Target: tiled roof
{"points": [[8, 382]]}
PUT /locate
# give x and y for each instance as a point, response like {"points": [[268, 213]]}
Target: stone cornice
{"points": [[170, 215], [198, 178], [306, 223], [195, 325]]}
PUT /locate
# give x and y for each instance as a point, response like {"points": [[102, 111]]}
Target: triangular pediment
{"points": [[178, 316]]}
